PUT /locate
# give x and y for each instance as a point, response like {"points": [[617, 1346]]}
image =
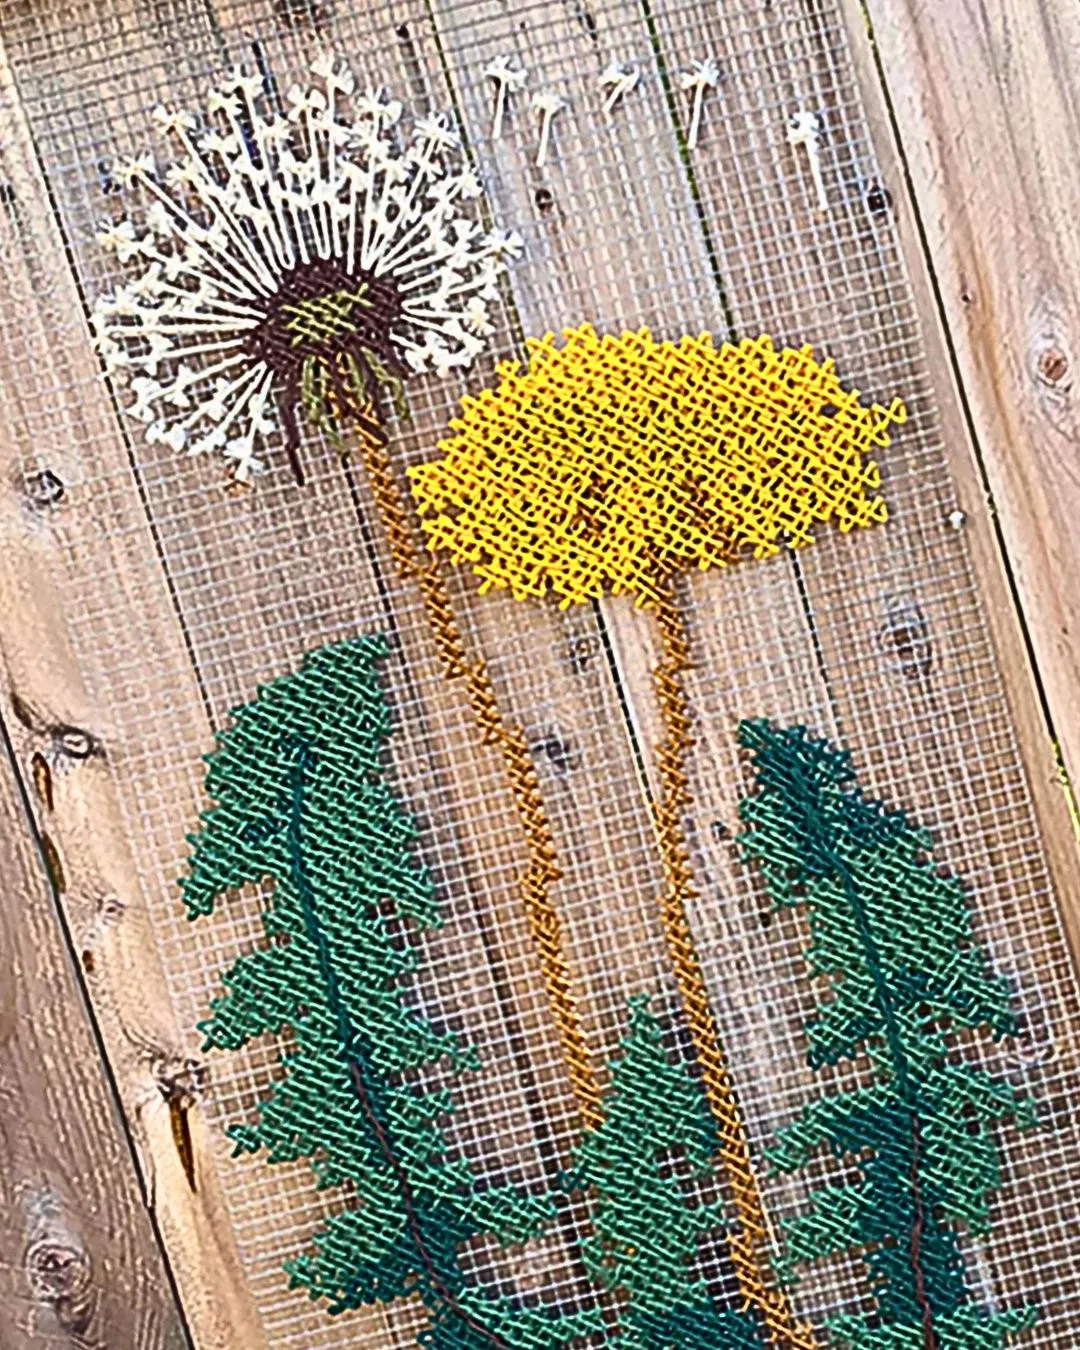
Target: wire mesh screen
{"points": [[182, 593]]}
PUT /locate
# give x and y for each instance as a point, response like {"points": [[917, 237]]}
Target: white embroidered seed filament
{"points": [[619, 80], [547, 105], [701, 76], [509, 79], [804, 130]]}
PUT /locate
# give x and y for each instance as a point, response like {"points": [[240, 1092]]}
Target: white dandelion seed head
{"points": [[309, 262]]}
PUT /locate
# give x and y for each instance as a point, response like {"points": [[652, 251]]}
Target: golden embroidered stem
{"points": [[750, 1264], [509, 739]]}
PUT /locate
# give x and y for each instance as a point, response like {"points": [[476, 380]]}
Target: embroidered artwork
{"points": [[892, 942], [615, 464], [301, 800], [308, 261], [218, 253], [648, 1224]]}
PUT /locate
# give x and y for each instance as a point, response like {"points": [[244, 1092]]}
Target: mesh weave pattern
{"points": [[178, 595], [610, 462]]}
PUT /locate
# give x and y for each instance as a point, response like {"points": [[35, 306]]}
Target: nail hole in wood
{"points": [[879, 200], [108, 184], [581, 651], [561, 753], [303, 13], [44, 490], [1053, 365], [111, 909], [75, 743], [544, 198], [905, 637]]}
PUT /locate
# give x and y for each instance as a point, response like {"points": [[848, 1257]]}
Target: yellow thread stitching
{"points": [[613, 464], [608, 463]]}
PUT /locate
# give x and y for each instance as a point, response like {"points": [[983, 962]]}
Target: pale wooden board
{"points": [[600, 188], [229, 597], [984, 96], [903, 634], [1004, 624], [71, 435], [248, 586], [79, 1260]]}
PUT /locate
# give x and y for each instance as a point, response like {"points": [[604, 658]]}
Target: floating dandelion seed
{"points": [[310, 260]]}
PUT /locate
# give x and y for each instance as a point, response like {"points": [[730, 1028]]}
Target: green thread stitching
{"points": [[646, 1230], [894, 938], [323, 318], [301, 799]]}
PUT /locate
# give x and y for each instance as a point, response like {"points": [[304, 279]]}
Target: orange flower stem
{"points": [[543, 919], [748, 1258]]}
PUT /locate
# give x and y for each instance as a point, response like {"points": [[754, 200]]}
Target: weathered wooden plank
{"points": [[1049, 1041], [613, 235], [247, 615], [988, 559], [984, 100], [79, 1260], [899, 613], [244, 622], [60, 434]]}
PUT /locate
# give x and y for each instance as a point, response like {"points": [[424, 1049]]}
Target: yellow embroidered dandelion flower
{"points": [[612, 463]]}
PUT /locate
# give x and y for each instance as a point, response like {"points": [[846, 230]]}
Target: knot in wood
{"points": [[44, 489], [59, 1274], [179, 1078], [1053, 365]]}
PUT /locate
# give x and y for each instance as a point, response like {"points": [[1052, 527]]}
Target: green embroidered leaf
{"points": [[893, 939], [646, 1229], [301, 801]]}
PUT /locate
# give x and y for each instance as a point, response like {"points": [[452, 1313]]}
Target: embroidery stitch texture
{"points": [[510, 741], [647, 1227], [330, 332], [893, 938], [301, 799], [614, 464], [309, 259]]}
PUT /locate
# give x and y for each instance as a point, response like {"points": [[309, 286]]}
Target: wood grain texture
{"points": [[985, 98], [61, 732], [230, 588], [992, 559], [80, 1264], [613, 236]]}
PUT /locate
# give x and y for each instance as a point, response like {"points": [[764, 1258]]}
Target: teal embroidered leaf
{"points": [[892, 938], [646, 1228], [301, 800]]}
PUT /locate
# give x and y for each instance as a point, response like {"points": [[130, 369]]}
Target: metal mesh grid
{"points": [[622, 228]]}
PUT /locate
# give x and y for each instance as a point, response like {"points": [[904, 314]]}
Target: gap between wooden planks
{"points": [[636, 652], [45, 705]]}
